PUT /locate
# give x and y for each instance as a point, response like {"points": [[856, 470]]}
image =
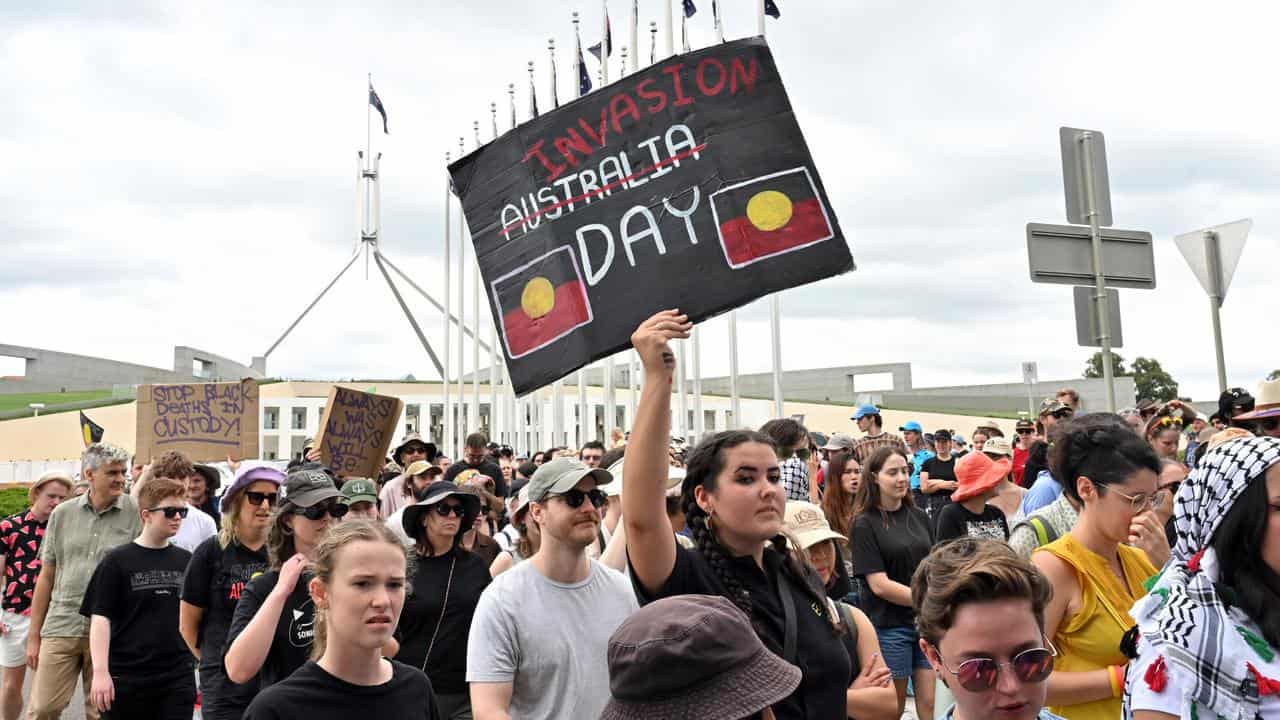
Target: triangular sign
{"points": [[1230, 241]]}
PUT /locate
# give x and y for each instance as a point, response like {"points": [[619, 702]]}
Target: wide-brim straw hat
{"points": [[1267, 403]]}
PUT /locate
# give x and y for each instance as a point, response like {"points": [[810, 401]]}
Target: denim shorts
{"points": [[900, 648]]}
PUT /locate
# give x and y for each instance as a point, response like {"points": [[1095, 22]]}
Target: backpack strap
{"points": [[1045, 533]]}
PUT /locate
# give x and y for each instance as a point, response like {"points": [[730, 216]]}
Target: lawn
{"points": [[22, 400]]}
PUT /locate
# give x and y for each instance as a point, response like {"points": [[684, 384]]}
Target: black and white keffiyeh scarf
{"points": [[1207, 645]]}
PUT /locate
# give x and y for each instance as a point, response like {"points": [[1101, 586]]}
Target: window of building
{"points": [[271, 418], [299, 415]]}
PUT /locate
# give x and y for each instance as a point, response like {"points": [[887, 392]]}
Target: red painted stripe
{"points": [[745, 242], [570, 310], [506, 229]]}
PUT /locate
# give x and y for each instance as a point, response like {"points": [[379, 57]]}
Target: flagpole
{"points": [[669, 40], [653, 41], [606, 46], [684, 32], [760, 16], [447, 435], [623, 71], [635, 39], [775, 302], [475, 314], [699, 427], [577, 93], [735, 404], [368, 120], [462, 321], [555, 95], [715, 10], [495, 426]]}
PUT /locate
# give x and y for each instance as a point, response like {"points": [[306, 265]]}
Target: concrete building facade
{"points": [[53, 371]]}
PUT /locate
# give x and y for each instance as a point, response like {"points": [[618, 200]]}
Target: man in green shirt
{"points": [[79, 533]]}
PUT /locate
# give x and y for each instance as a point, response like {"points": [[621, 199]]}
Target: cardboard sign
{"points": [[686, 185], [356, 431], [206, 422]]}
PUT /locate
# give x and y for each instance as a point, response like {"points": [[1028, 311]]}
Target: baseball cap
{"points": [[560, 476], [911, 426], [1025, 424], [305, 488], [864, 410], [1050, 406], [998, 446], [943, 434], [808, 524], [357, 490], [839, 441]]}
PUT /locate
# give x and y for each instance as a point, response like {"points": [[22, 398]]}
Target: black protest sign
{"points": [[686, 185], [356, 431]]}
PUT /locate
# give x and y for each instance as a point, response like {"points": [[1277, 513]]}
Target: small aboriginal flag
{"points": [[90, 430], [542, 302], [769, 216]]}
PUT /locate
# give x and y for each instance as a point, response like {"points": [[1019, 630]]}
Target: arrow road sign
{"points": [[1084, 160], [1063, 255], [1198, 246]]}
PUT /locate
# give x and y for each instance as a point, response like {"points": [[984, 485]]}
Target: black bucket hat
{"points": [[411, 520]]}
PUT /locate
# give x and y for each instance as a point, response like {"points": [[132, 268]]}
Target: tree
{"points": [[1093, 369], [1153, 381], [1275, 375]]}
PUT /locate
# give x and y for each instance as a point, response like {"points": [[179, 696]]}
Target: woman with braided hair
{"points": [[734, 502]]}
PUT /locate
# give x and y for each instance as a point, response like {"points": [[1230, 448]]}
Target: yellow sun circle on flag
{"points": [[769, 210], [538, 297]]}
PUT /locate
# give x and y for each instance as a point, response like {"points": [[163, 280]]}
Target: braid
{"points": [[714, 554]]}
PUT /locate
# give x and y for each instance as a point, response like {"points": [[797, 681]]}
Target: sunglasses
{"points": [[1168, 421], [315, 512], [981, 674], [170, 512], [575, 497], [255, 498], [801, 453], [1064, 414], [447, 509], [1026, 431]]}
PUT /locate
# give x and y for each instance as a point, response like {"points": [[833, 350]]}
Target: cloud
{"points": [[184, 173]]}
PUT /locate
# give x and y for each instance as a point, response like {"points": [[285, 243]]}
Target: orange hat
{"points": [[976, 473]]}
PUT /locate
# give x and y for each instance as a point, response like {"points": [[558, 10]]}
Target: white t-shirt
{"points": [[549, 640], [195, 529], [1172, 700]]}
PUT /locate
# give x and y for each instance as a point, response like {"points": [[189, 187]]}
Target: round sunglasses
{"points": [[334, 510], [981, 674]]}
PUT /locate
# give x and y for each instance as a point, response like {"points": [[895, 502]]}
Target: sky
{"points": [[184, 173]]}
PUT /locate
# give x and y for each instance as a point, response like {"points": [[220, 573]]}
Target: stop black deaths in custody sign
{"points": [[686, 185]]}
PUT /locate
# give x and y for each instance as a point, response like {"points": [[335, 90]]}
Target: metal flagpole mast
{"points": [[735, 403], [715, 10], [605, 44], [447, 439], [669, 44], [555, 94], [582, 375], [635, 30], [775, 302], [462, 320], [682, 405], [623, 71], [699, 425], [495, 425], [684, 33], [475, 314]]}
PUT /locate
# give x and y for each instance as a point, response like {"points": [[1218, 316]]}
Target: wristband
{"points": [[1116, 674]]}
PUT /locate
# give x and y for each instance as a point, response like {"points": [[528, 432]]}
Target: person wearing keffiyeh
{"points": [[1209, 629]]}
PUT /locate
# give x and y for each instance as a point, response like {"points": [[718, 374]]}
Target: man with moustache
{"points": [[541, 630], [79, 533]]}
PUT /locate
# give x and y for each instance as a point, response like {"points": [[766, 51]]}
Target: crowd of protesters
{"points": [[1091, 566]]}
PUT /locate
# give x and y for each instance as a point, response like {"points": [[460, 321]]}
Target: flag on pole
{"points": [[584, 77], [771, 9], [89, 430], [533, 94], [608, 42], [689, 8], [555, 95], [376, 102]]}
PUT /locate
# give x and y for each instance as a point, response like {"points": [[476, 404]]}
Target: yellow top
{"points": [[1090, 639]]}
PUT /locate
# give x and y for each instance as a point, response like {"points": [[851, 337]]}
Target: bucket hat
{"points": [[411, 520], [976, 473], [246, 476]]}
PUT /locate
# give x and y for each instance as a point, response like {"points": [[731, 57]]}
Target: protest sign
{"points": [[356, 431], [687, 184], [204, 421]]}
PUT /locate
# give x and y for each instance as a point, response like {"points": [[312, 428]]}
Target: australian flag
{"points": [[376, 102], [584, 77], [608, 41], [771, 9], [689, 8]]}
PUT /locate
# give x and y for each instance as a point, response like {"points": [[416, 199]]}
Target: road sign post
{"points": [[1087, 326], [1087, 141], [1029, 376], [1213, 254]]}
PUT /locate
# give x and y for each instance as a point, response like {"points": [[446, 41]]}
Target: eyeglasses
{"points": [[801, 453], [575, 497], [980, 674], [447, 509], [1138, 502], [255, 498], [315, 512], [170, 512]]}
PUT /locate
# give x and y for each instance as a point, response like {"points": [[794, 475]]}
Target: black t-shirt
{"points": [[955, 521], [215, 580], [894, 544], [137, 588], [938, 470], [486, 467], [486, 548], [295, 628], [821, 655], [314, 694], [448, 666]]}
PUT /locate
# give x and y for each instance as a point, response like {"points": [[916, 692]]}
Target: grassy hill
{"points": [[22, 400]]}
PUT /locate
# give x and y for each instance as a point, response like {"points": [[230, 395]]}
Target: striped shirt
{"points": [[867, 446]]}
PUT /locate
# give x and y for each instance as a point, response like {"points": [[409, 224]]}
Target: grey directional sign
{"points": [[1063, 255], [1084, 159], [1088, 329]]}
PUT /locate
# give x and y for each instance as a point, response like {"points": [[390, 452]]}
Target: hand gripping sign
{"points": [[687, 185]]}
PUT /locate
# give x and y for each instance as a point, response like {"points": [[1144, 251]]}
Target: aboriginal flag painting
{"points": [[768, 216], [541, 302]]}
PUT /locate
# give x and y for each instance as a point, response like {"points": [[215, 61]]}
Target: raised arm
{"points": [[651, 546]]}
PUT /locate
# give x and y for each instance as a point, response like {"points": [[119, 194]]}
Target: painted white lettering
{"points": [[595, 274], [649, 229], [686, 214]]}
